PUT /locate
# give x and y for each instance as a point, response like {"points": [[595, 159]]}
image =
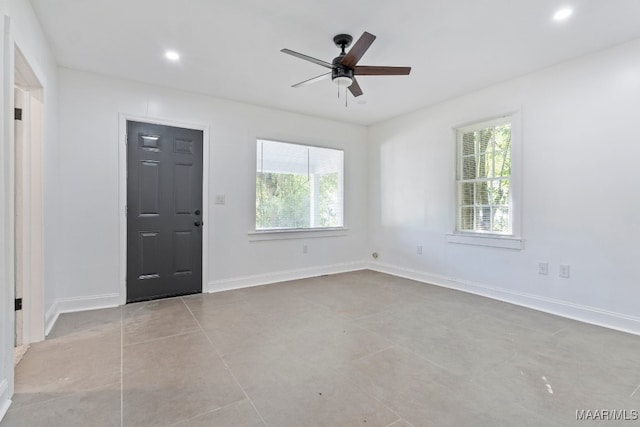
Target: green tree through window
{"points": [[484, 177], [298, 187]]}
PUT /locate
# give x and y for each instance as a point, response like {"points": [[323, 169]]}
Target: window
{"points": [[298, 186], [483, 178]]}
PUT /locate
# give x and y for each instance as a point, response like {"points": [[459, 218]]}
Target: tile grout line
{"points": [[195, 331], [399, 420], [62, 396], [377, 313], [635, 391], [364, 328], [393, 345], [561, 329], [225, 364], [382, 350], [367, 393], [400, 345], [178, 423]]}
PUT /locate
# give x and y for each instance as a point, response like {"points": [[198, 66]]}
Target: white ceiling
{"points": [[231, 48]]}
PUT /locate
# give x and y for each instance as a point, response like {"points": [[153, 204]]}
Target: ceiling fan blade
{"points": [[313, 80], [366, 70], [355, 88], [359, 48], [307, 58]]}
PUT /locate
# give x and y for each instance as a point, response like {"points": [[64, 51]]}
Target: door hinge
{"points": [[17, 113], [126, 210], [18, 304]]}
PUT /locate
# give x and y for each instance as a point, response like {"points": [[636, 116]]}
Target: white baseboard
{"points": [[593, 315], [70, 305], [5, 402], [587, 314], [4, 407], [51, 317], [282, 276]]}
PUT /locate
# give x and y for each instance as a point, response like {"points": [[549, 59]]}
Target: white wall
{"points": [[88, 225], [23, 30], [580, 191]]}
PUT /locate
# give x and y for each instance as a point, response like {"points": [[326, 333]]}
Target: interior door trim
{"points": [[122, 193]]}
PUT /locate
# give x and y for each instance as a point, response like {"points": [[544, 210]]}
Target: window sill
{"points": [[490, 240], [300, 233]]}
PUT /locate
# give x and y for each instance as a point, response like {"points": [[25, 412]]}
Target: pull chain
{"points": [[346, 97]]}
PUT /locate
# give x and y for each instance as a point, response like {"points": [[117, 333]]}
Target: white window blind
{"points": [[298, 186], [483, 178]]}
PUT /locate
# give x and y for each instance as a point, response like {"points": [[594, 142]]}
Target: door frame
{"points": [[122, 192], [7, 212], [32, 209]]}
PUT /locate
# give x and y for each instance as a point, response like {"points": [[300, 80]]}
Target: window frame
{"points": [[514, 239], [257, 234]]}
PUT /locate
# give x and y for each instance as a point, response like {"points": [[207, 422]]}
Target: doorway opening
{"points": [[28, 199]]}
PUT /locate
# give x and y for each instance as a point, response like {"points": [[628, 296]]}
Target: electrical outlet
{"points": [[419, 250], [543, 268], [305, 249], [220, 199], [564, 271]]}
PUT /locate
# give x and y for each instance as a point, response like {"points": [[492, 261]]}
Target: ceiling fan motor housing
{"points": [[340, 70]]}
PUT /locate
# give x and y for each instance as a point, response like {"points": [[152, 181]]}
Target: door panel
{"points": [[164, 218], [183, 179], [149, 255], [150, 186], [182, 262]]}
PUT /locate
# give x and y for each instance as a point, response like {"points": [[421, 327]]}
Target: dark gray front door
{"points": [[164, 211]]}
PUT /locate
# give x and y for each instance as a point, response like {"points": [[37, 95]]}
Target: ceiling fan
{"points": [[344, 67]]}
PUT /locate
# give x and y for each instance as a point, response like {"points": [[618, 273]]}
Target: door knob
{"points": [[197, 212], [197, 223]]}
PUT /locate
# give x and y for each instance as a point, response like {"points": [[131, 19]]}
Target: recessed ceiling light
{"points": [[562, 14], [172, 55]]}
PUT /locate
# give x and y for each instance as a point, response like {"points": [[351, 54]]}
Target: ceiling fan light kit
{"points": [[344, 67], [342, 81]]}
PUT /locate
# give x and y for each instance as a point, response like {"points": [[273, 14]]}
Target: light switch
{"points": [[220, 199], [543, 268]]}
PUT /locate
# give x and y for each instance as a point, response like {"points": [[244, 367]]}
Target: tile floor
{"points": [[354, 349]]}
